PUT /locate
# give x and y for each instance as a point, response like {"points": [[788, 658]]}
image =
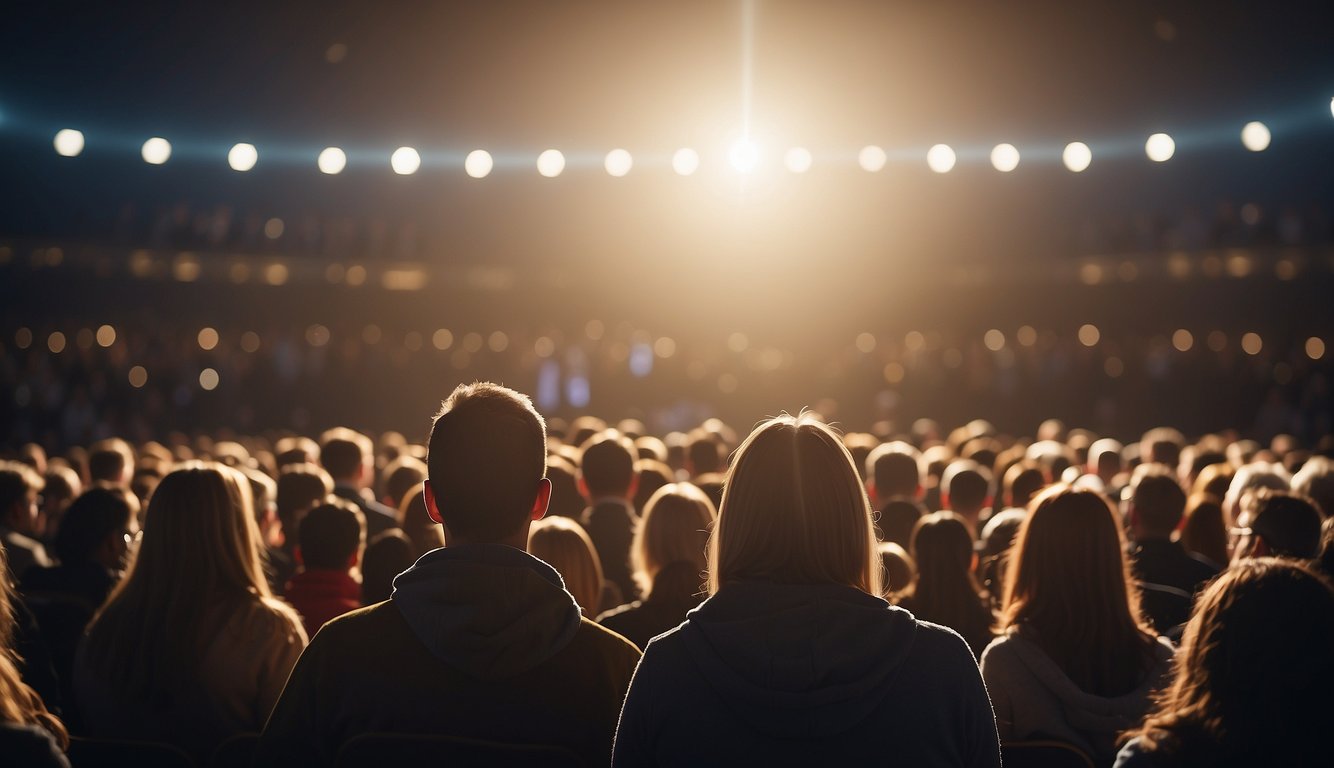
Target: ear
{"points": [[873, 494], [543, 499], [296, 555], [581, 485], [432, 508], [634, 486], [919, 493]]}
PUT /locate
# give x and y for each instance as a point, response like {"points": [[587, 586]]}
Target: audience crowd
{"points": [[587, 593]]}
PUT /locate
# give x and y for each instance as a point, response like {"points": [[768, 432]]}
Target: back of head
{"points": [[900, 570], [564, 545], [1253, 672], [945, 590], [98, 513], [652, 475], [110, 461], [704, 453], [566, 500], [387, 555], [487, 457], [1251, 478], [794, 511], [345, 453], [897, 520], [967, 485], [674, 529], [1289, 525], [402, 475], [1022, 482], [896, 470], [19, 485], [416, 522], [1157, 501], [331, 537], [607, 465], [1161, 445], [1069, 582], [300, 487], [1315, 480]]}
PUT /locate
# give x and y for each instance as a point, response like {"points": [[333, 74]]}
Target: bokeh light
{"points": [[798, 159], [941, 158], [332, 160], [208, 338], [551, 163], [68, 142], [994, 339], [405, 161], [478, 164], [56, 342], [106, 336], [156, 151], [872, 158], [1183, 340], [744, 156], [138, 376], [1077, 156], [685, 161], [618, 162], [208, 379], [1005, 158], [1255, 136], [1315, 347], [242, 157], [1089, 335], [1160, 147], [1251, 343]]}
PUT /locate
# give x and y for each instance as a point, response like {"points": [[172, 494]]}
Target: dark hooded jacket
{"points": [[781, 674], [478, 641]]}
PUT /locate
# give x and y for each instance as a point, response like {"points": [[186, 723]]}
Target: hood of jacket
{"points": [[490, 610], [798, 661]]}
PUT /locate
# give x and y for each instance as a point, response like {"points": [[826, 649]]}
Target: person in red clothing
{"points": [[330, 542]]}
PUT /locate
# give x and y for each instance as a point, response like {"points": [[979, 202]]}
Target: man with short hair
{"points": [[480, 640], [1276, 524], [347, 455], [19, 503], [965, 489], [608, 480], [1153, 504], [895, 472]]}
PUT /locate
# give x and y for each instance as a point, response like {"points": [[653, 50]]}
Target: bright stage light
{"points": [[618, 162], [478, 163], [941, 158], [1005, 158], [156, 151], [1160, 147], [798, 159], [69, 142], [1255, 136], [872, 158], [685, 161], [550, 163], [1331, 106], [243, 157], [1077, 156], [405, 161], [332, 160], [744, 156]]}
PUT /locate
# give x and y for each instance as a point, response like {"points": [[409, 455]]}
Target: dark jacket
{"points": [[479, 641], [676, 590], [781, 674], [322, 594], [1160, 561], [379, 518], [611, 526]]}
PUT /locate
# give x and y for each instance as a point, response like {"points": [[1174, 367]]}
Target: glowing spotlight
{"points": [[156, 151], [744, 156], [1160, 147], [332, 160], [1255, 136], [941, 158], [618, 162], [478, 163], [1077, 156], [242, 157], [872, 158], [685, 161], [1331, 106], [550, 163], [405, 161], [1004, 158], [69, 142], [798, 160]]}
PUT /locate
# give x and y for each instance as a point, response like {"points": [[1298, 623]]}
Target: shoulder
{"points": [[270, 619], [1003, 652], [1135, 754], [937, 639], [606, 639]]}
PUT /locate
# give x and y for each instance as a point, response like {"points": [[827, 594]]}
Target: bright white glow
{"points": [[550, 163], [1005, 158], [69, 142], [618, 162], [798, 159], [405, 161], [242, 157], [156, 151], [332, 160], [1255, 136], [685, 161], [478, 163], [1160, 147], [941, 158], [744, 156], [1077, 156], [1331, 106], [872, 158]]}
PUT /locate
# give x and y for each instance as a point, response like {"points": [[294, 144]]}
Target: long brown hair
{"points": [[19, 704], [675, 528], [197, 563], [945, 590], [1254, 672], [794, 511], [563, 544], [1069, 588]]}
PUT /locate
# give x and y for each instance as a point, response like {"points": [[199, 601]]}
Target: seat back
{"points": [[236, 752], [408, 751], [1043, 754], [101, 753]]}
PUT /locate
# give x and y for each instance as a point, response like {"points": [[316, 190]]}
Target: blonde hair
{"points": [[675, 528], [564, 545], [198, 562], [19, 704], [794, 511]]}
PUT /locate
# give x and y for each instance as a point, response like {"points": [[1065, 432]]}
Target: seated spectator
{"points": [[300, 487], [566, 500], [348, 457], [417, 524], [945, 591], [401, 477], [479, 639], [1203, 530], [900, 570], [19, 489], [1253, 676], [61, 487], [668, 558], [29, 734], [653, 474], [1315, 481], [607, 479], [111, 461], [387, 555], [1021, 483], [895, 473], [1076, 663], [796, 659], [332, 538], [898, 518], [998, 537], [1276, 524], [190, 649], [1154, 505], [564, 545], [966, 489]]}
